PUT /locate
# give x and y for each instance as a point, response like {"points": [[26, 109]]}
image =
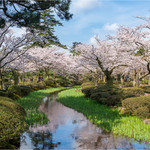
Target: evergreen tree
{"points": [[39, 16]]}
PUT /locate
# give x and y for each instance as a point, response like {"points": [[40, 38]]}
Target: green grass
{"points": [[31, 104], [108, 119]]}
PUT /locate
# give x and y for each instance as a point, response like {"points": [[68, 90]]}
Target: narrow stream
{"points": [[69, 129]]}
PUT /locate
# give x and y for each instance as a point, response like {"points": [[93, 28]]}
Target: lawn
{"points": [[31, 104], [109, 119]]}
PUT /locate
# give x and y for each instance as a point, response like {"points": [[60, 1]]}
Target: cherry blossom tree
{"points": [[136, 42], [12, 47], [106, 56]]}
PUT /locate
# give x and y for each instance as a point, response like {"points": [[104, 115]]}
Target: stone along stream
{"points": [[69, 129]]}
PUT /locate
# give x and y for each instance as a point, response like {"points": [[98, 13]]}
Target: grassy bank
{"points": [[31, 104], [108, 119]]}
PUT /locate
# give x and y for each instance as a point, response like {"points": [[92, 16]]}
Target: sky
{"points": [[100, 18]]}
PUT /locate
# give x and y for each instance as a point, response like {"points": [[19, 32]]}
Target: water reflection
{"points": [[69, 129]]}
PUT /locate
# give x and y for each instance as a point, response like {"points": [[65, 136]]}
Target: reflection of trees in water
{"points": [[42, 140], [85, 135], [104, 142]]}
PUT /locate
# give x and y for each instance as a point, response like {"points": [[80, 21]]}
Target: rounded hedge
{"points": [[132, 92], [15, 89], [105, 94], [11, 123], [146, 89], [139, 106], [12, 106]]}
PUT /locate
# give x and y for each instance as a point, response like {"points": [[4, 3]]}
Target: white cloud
{"points": [[83, 5], [93, 40], [111, 27]]}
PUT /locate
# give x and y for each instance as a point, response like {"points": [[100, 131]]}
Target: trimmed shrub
{"points": [[132, 92], [13, 96], [128, 84], [3, 93], [37, 86], [107, 94], [41, 85], [15, 89], [63, 82], [146, 89], [87, 88], [25, 90], [13, 106], [87, 85], [33, 86], [110, 94], [144, 81], [87, 92], [139, 106], [11, 123], [49, 82]]}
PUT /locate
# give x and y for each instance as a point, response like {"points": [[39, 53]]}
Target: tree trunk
{"points": [[149, 80], [104, 78], [1, 79], [109, 79], [122, 80], [47, 73], [22, 78], [134, 78], [137, 80], [16, 77]]}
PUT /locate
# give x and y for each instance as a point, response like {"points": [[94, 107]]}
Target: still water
{"points": [[69, 129]]}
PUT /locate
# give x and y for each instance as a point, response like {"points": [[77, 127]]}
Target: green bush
{"points": [[87, 85], [15, 89], [13, 96], [11, 123], [146, 89], [144, 81], [37, 86], [139, 106], [106, 94], [87, 88], [50, 82], [63, 82], [33, 86], [12, 106], [110, 94], [87, 91], [132, 92], [25, 90], [128, 84], [3, 93], [41, 85]]}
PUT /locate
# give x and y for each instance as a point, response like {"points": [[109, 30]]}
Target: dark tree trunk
{"points": [[16, 77], [1, 79], [109, 79]]}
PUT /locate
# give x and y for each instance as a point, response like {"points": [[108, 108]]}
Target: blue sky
{"points": [[100, 17]]}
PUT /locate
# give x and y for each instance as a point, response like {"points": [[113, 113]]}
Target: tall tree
{"points": [[39, 16]]}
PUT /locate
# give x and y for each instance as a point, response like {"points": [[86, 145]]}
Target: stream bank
{"points": [[69, 129]]}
